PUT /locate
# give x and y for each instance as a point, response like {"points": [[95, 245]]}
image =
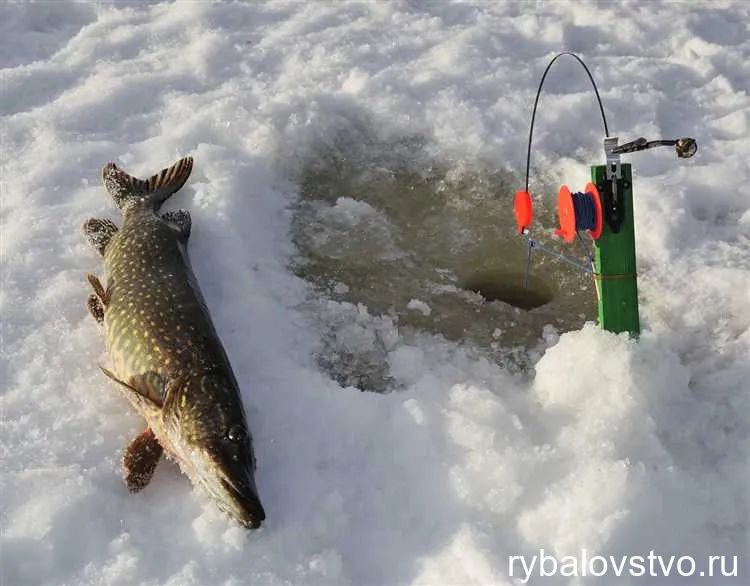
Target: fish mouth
{"points": [[244, 504]]}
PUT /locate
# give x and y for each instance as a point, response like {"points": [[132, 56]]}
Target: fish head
{"points": [[215, 446]]}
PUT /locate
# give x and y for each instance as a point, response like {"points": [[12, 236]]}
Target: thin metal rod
{"points": [[528, 265], [583, 267], [536, 102]]}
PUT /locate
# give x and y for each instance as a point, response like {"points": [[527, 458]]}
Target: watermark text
{"points": [[651, 565]]}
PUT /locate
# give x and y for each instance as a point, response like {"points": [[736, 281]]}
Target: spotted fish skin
{"points": [[165, 351]]}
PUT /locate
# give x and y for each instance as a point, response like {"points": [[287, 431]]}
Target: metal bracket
{"points": [[613, 212], [613, 185], [613, 157]]}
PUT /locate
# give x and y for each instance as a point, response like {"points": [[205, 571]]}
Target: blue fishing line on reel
{"points": [[585, 211]]}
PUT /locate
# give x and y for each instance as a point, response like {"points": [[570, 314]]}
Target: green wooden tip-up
{"points": [[614, 258]]}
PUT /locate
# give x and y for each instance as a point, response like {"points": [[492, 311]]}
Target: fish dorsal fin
{"points": [[145, 390], [126, 189]]}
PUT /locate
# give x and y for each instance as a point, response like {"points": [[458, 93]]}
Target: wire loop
{"points": [[536, 102]]}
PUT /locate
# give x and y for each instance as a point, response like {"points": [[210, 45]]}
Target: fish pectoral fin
{"points": [[140, 394], [151, 385], [140, 459], [172, 398], [180, 219], [143, 453], [101, 293], [98, 233]]}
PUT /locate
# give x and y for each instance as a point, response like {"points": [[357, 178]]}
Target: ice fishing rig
{"points": [[604, 209]]}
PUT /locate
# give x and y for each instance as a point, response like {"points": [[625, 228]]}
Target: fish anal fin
{"points": [[99, 232], [140, 460]]}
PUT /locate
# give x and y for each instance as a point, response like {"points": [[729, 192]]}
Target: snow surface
{"points": [[616, 446]]}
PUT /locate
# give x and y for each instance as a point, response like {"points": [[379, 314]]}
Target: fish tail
{"points": [[127, 190]]}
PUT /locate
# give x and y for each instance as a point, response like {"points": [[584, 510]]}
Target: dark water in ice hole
{"points": [[430, 244]]}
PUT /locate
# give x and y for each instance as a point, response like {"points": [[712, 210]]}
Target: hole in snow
{"points": [[509, 288], [384, 230]]}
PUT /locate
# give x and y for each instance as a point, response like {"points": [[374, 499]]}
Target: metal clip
{"points": [[612, 211], [613, 158]]}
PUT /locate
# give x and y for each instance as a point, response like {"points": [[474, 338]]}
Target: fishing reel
{"points": [[597, 204], [603, 208], [577, 212], [587, 210]]}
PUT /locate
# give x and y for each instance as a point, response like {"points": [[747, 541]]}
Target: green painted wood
{"points": [[617, 286]]}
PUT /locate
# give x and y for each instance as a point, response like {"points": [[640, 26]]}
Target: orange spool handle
{"points": [[523, 210]]}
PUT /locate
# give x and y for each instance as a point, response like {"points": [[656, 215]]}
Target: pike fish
{"points": [[166, 355]]}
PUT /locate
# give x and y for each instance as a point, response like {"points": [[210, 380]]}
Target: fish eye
{"points": [[236, 433]]}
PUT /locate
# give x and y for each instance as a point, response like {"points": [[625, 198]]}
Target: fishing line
{"points": [[585, 211]]}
